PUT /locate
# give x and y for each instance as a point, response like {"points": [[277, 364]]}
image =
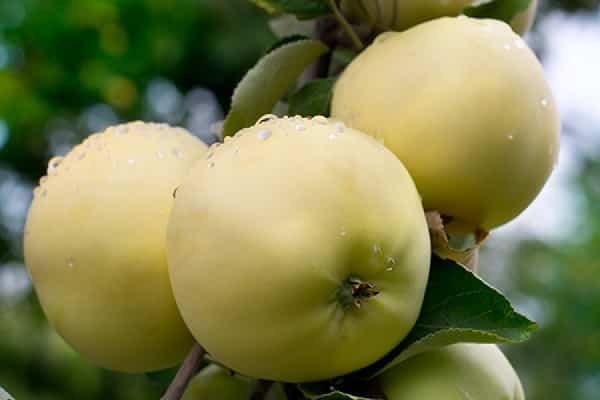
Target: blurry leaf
{"points": [[313, 98], [4, 395], [164, 376], [458, 307], [268, 81], [503, 10], [303, 9], [288, 24]]}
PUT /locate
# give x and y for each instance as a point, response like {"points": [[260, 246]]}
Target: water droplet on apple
{"points": [[53, 165], [177, 153], [70, 262], [376, 249], [263, 134]]}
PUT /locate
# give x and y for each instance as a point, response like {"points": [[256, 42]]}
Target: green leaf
{"points": [[163, 377], [4, 395], [303, 9], [503, 10], [314, 98], [267, 82], [458, 307], [285, 40]]}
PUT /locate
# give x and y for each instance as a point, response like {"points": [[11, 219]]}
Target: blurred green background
{"points": [[72, 67]]}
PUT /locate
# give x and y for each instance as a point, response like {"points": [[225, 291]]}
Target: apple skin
{"points": [[409, 13], [457, 372], [215, 382], [95, 245], [465, 106], [265, 234]]}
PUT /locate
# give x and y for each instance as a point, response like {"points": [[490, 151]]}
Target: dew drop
{"points": [[265, 118], [53, 165], [121, 130], [376, 249], [520, 43], [390, 261], [343, 232], [177, 153], [389, 269], [70, 262], [339, 126], [263, 134], [300, 127], [544, 102], [319, 119], [510, 137]]}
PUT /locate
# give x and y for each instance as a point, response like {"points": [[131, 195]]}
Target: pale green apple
{"points": [[458, 372], [464, 104], [95, 245], [216, 383], [298, 250]]}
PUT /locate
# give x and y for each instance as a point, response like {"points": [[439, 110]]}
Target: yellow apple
{"points": [[95, 245], [298, 250], [457, 372], [465, 106]]}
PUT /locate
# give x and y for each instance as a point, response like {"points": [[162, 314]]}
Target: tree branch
{"points": [[188, 369]]}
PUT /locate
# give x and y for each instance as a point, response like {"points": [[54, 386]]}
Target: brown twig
{"points": [[188, 369]]}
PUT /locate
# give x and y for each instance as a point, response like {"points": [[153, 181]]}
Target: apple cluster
{"points": [[298, 250]]}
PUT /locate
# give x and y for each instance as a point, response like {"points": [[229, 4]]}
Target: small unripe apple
{"points": [[465, 105], [399, 15], [214, 382], [95, 245], [457, 372], [298, 251]]}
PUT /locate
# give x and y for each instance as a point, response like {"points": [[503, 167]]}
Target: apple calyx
{"points": [[354, 291]]}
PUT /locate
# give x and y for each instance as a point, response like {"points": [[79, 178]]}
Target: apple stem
{"points": [[356, 41], [189, 368]]}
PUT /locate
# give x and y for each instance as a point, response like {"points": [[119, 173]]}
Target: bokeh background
{"points": [[70, 67]]}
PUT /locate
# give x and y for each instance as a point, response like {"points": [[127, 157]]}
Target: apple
{"points": [[457, 372], [298, 250], [95, 245], [399, 15], [215, 382], [465, 105]]}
